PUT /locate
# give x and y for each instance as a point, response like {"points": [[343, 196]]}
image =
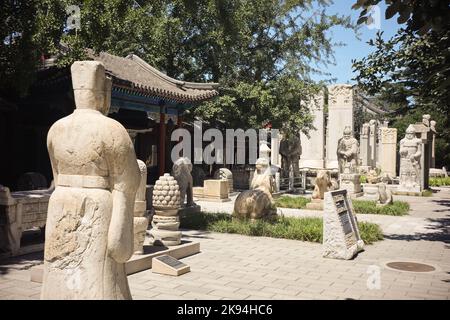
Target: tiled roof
{"points": [[136, 74]]}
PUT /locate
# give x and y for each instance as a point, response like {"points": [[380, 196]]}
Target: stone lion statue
{"points": [[181, 171], [385, 195], [257, 203], [322, 185]]}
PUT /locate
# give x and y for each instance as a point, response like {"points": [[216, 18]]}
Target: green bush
{"points": [[439, 182], [363, 179], [427, 193], [304, 229], [398, 208], [292, 202]]}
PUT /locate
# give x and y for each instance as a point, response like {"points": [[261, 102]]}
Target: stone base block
{"points": [[315, 204], [139, 263], [413, 191], [371, 191]]}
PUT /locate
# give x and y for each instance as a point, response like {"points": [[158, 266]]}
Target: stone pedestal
{"points": [[315, 204], [341, 238], [313, 147], [340, 115], [213, 190], [166, 222], [371, 191], [351, 182], [388, 151], [225, 174]]}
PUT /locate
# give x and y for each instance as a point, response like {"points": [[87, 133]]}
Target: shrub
{"points": [[439, 182], [398, 208], [292, 202], [304, 229]]}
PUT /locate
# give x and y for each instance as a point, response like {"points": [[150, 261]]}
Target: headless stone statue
{"points": [[89, 231], [347, 152]]}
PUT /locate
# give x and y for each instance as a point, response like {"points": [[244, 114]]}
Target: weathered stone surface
{"points": [[410, 166], [225, 174], [166, 202], [140, 220], [385, 195], [181, 171], [371, 191], [340, 115], [341, 239], [290, 150], [257, 203], [322, 184], [388, 151], [313, 146], [347, 152], [89, 229]]}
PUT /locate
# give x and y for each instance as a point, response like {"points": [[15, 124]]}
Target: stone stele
{"points": [[341, 238], [140, 219], [89, 229]]}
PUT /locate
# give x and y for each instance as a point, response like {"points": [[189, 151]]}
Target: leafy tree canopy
{"points": [[262, 52]]}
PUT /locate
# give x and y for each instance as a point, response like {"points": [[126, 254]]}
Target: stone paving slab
{"points": [[232, 266]]}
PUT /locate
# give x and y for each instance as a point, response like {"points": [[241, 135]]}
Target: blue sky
{"points": [[354, 48]]}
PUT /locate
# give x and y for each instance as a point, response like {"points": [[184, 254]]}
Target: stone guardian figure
{"points": [[89, 231], [347, 152], [410, 153]]}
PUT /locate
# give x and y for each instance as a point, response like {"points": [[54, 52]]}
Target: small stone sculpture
{"points": [[373, 177], [385, 195], [89, 229], [225, 174], [322, 184], [181, 171], [257, 203], [140, 219], [166, 202]]}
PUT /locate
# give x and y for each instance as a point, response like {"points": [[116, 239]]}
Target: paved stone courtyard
{"points": [[240, 267]]}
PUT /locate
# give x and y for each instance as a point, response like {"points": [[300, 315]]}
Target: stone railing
{"points": [[20, 211]]}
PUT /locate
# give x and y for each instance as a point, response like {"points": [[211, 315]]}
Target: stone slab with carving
{"points": [[341, 238], [89, 228]]}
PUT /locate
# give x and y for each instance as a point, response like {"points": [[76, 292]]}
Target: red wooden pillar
{"points": [[162, 142]]}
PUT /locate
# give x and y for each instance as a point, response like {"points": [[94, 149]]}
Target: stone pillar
{"points": [[388, 150], [140, 219], [340, 115], [313, 147], [364, 145], [433, 144], [373, 132]]}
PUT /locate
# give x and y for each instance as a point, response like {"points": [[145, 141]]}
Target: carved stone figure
{"points": [[322, 185], [410, 153], [290, 150], [347, 152], [140, 219], [385, 195], [89, 229], [181, 171], [257, 203], [373, 177], [225, 174]]}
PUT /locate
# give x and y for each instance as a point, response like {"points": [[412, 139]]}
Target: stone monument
{"points": [[166, 221], [290, 150], [89, 229], [257, 203], [322, 184], [364, 143], [410, 166], [373, 138], [388, 151], [340, 115], [313, 147], [140, 219], [341, 238], [347, 154]]}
